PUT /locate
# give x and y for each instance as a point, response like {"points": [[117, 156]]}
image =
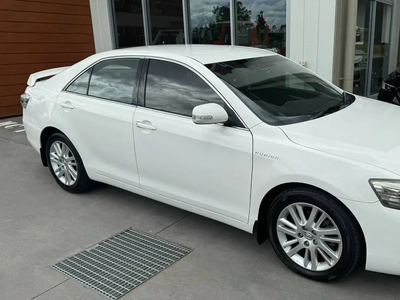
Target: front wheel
{"points": [[66, 165], [314, 235]]}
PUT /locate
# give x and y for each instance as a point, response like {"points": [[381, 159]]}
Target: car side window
{"points": [[80, 85], [114, 80], [176, 89]]}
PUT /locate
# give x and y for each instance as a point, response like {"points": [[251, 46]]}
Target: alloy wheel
{"points": [[63, 163], [309, 236]]}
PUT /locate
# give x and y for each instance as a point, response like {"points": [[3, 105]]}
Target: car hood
{"points": [[366, 131]]}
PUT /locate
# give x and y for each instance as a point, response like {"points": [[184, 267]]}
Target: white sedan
{"points": [[240, 135]]}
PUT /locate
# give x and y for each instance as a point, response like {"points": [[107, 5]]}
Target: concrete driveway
{"points": [[41, 224]]}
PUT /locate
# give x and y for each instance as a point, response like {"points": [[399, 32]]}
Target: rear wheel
{"points": [[314, 235], [66, 165]]}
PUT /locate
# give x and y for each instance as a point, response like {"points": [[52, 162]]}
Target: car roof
{"points": [[205, 54]]}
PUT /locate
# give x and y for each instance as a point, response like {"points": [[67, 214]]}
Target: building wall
{"points": [[37, 35], [311, 34], [102, 25]]}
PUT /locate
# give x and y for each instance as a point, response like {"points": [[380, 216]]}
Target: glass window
{"points": [[210, 22], [166, 19], [380, 59], [114, 80], [80, 85], [262, 24], [173, 88], [278, 90], [361, 44], [128, 23]]}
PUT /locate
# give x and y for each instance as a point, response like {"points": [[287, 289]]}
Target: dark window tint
{"points": [[176, 89], [278, 90], [80, 85], [128, 22], [114, 80]]}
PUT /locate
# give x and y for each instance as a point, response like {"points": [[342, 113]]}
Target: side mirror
{"points": [[209, 113]]}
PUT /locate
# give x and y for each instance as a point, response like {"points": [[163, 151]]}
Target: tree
{"points": [[261, 25], [222, 13], [260, 20]]}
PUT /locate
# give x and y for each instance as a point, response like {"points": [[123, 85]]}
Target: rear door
{"points": [[206, 166], [96, 111]]}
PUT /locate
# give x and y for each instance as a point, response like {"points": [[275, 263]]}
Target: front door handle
{"points": [[67, 105], [145, 126]]}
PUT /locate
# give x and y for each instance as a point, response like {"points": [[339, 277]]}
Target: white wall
{"points": [[311, 34], [102, 25]]}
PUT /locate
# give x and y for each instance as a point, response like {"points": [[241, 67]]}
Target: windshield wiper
{"points": [[342, 104]]}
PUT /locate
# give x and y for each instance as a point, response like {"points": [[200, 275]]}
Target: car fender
{"points": [[278, 161]]}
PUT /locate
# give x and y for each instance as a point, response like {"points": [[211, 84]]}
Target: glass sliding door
{"points": [[374, 18], [128, 23], [362, 45], [379, 47], [166, 20], [210, 21], [262, 24]]}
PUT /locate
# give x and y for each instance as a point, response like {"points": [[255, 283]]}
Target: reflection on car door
{"points": [[96, 110], [207, 166]]}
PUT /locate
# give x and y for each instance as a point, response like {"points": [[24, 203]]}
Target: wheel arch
{"points": [[261, 227], [46, 133]]}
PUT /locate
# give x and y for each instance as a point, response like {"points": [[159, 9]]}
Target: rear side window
{"points": [[114, 80], [173, 88], [80, 85]]}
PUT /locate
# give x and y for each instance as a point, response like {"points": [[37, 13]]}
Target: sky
{"points": [[274, 10]]}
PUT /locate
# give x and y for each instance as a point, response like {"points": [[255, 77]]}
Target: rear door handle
{"points": [[145, 126], [67, 105]]}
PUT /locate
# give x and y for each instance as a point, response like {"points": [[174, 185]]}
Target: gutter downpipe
{"points": [[349, 47]]}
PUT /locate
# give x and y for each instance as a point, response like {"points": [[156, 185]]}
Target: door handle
{"points": [[145, 126], [67, 105]]}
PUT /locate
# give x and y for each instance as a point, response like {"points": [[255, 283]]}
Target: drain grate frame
{"points": [[121, 263]]}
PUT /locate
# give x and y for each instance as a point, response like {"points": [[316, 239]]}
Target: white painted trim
{"points": [[147, 23], [233, 20], [102, 23], [187, 28]]}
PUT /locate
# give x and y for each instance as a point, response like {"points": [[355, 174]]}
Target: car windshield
{"points": [[278, 90]]}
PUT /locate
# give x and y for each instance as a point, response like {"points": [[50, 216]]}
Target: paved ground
{"points": [[40, 224]]}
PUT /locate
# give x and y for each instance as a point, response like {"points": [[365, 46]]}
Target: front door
{"points": [[206, 166], [96, 111]]}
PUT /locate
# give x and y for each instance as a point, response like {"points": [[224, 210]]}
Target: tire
{"points": [[66, 165], [311, 250]]}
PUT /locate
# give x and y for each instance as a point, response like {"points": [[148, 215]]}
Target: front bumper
{"points": [[381, 228]]}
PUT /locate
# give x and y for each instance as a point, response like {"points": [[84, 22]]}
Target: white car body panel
{"points": [[337, 153], [42, 74], [102, 133], [364, 132], [192, 172]]}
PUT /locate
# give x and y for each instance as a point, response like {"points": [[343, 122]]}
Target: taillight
{"points": [[24, 99]]}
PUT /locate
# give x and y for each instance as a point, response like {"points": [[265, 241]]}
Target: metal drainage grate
{"points": [[121, 263]]}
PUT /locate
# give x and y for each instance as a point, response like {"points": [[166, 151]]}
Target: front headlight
{"points": [[388, 191]]}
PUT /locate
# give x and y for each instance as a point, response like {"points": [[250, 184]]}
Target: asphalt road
{"points": [[41, 224]]}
